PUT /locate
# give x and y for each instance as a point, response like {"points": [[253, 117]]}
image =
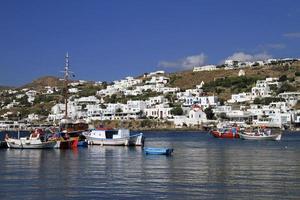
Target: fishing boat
{"points": [[68, 136], [158, 151], [113, 137], [227, 132], [260, 134], [36, 140]]}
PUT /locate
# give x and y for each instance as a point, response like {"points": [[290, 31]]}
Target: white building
{"points": [[241, 73], [291, 97], [205, 68], [161, 111], [203, 101], [73, 90], [241, 97], [158, 80], [195, 118], [31, 95], [152, 101], [261, 89], [33, 117]]}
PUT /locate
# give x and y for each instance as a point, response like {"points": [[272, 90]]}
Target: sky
{"points": [[110, 39]]}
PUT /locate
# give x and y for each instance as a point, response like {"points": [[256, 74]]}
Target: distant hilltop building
{"points": [[241, 73], [160, 72], [205, 68]]}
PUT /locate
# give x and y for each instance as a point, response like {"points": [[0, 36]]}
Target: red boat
{"points": [[226, 133]]}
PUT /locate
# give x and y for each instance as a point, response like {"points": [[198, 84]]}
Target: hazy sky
{"points": [[111, 39]]}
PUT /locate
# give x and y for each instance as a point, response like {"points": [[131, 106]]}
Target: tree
{"points": [[177, 111], [209, 113], [257, 101], [286, 87], [119, 110], [282, 78]]}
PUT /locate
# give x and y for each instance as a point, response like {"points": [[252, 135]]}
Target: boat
{"points": [[158, 151], [64, 141], [114, 137], [227, 132], [3, 144], [36, 140], [73, 128], [260, 134]]}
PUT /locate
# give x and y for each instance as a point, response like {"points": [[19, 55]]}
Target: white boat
{"points": [[34, 141], [112, 137], [260, 135]]}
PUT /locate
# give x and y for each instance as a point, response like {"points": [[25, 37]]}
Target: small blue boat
{"points": [[82, 144], [158, 151]]}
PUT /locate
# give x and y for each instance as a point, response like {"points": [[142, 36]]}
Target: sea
{"points": [[201, 167]]}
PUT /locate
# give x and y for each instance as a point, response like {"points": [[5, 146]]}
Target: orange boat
{"points": [[225, 133]]}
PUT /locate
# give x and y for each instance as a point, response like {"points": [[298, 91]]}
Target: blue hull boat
{"points": [[158, 151], [82, 144]]}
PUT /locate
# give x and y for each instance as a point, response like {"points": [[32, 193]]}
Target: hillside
{"points": [[3, 87], [40, 83], [189, 79]]}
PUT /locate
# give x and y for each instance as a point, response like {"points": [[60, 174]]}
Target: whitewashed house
{"points": [[291, 97], [241, 97], [158, 80], [261, 89], [33, 117], [160, 72], [203, 101], [241, 73], [31, 95], [160, 111], [195, 117], [152, 101], [73, 90], [222, 109], [166, 90], [205, 68]]}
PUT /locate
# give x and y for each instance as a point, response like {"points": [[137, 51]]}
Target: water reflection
{"points": [[200, 168]]}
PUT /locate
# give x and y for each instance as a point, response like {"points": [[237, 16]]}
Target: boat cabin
{"points": [[70, 126], [110, 133]]}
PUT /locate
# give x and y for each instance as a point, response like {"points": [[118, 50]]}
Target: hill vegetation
{"points": [[225, 82]]}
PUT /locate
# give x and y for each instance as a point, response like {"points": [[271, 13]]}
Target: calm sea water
{"points": [[201, 167]]}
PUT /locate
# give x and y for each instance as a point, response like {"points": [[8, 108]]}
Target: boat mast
{"points": [[66, 81]]}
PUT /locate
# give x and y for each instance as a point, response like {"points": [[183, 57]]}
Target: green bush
{"points": [[177, 111]]}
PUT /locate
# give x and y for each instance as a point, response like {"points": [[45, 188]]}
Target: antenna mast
{"points": [[66, 81]]}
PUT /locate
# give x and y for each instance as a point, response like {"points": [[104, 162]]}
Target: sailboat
{"points": [[69, 130]]}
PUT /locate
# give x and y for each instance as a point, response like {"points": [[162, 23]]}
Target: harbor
{"points": [[201, 167]]}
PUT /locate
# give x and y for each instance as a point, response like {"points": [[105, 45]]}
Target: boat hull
{"points": [[3, 144], [66, 144], [27, 144], [260, 137], [135, 140], [158, 151], [218, 134]]}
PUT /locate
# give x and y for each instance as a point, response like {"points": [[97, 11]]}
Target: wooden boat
{"points": [[112, 137], [34, 141], [64, 141], [231, 132], [259, 134], [158, 151]]}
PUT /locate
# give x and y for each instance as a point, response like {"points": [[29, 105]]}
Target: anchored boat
{"points": [[35, 141], [260, 134], [228, 132], [120, 137], [158, 151]]}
